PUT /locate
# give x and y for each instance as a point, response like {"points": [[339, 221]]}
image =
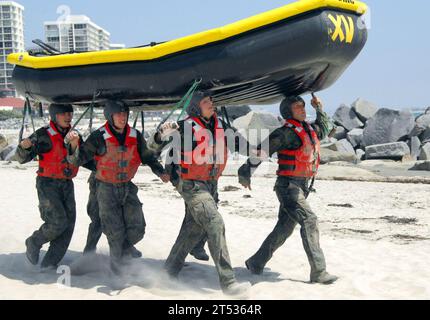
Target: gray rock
{"points": [[328, 156], [425, 152], [364, 109], [388, 126], [424, 166], [415, 146], [340, 133], [427, 111], [328, 142], [422, 123], [11, 155], [236, 112], [347, 118], [360, 154], [355, 137], [3, 142], [425, 136], [395, 151], [6, 151], [342, 146], [257, 126]]}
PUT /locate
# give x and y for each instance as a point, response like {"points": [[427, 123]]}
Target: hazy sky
{"points": [[393, 70]]}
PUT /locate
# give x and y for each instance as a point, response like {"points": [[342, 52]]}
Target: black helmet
{"points": [[286, 105], [193, 109], [56, 108], [113, 106]]}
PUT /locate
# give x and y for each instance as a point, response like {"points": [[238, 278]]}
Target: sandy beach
{"points": [[376, 238]]}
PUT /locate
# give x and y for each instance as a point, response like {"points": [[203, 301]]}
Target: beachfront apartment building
{"points": [[11, 41], [76, 33]]}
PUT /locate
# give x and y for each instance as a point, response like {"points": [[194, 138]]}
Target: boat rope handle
{"points": [[27, 109], [185, 101], [225, 116], [135, 120], [142, 116], [96, 94]]}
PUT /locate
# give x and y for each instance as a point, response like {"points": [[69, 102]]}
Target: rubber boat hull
{"points": [[305, 53]]}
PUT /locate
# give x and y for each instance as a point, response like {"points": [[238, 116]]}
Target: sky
{"points": [[393, 69]]}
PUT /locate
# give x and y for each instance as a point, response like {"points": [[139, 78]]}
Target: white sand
{"points": [[375, 258]]}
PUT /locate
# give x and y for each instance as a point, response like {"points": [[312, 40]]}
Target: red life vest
{"points": [[209, 159], [120, 163], [54, 163], [303, 162]]}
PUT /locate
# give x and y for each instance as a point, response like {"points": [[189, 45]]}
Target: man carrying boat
{"points": [[298, 147], [54, 186], [118, 151], [95, 228], [202, 160]]}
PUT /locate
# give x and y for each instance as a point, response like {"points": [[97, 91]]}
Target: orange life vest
{"points": [[209, 159], [120, 162], [54, 164], [303, 162]]}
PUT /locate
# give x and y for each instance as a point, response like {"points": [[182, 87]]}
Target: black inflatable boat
{"points": [[301, 47]]}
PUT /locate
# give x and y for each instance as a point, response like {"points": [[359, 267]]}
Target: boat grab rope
{"points": [[183, 104]]}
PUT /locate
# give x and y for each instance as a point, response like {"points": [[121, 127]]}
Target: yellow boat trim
{"points": [[185, 43]]}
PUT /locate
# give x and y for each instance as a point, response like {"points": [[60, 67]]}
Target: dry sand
{"points": [[375, 236]]}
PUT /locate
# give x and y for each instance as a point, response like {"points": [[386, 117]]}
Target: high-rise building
{"points": [[76, 33], [11, 41]]}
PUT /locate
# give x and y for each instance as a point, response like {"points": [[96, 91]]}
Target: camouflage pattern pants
{"points": [[294, 209], [58, 211], [202, 219], [95, 228], [121, 217]]}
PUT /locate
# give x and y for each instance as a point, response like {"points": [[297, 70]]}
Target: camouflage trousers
{"points": [[121, 217], [58, 211], [200, 246], [294, 209], [202, 220], [95, 228]]}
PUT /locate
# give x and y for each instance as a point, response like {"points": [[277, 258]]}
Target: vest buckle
{"points": [[68, 172], [122, 149], [123, 164], [122, 176]]}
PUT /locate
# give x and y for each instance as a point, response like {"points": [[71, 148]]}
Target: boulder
{"points": [[6, 152], [424, 166], [327, 142], [364, 109], [360, 154], [355, 137], [394, 151], [415, 146], [10, 156], [251, 126], [342, 146], [425, 152], [388, 126], [340, 133], [3, 142], [347, 118], [328, 156], [338, 151], [425, 136], [422, 123], [236, 112]]}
